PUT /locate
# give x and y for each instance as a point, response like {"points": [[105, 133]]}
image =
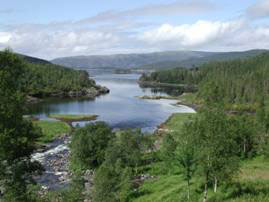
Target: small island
{"points": [[69, 118]]}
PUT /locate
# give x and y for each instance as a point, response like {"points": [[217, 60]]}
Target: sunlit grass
{"points": [[51, 130]]}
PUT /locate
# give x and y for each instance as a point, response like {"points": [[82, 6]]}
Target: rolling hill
{"points": [[157, 60]]}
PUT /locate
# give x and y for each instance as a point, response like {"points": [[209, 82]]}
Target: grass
{"points": [[51, 130], [255, 169], [163, 189], [69, 118], [189, 99], [176, 121], [252, 185]]}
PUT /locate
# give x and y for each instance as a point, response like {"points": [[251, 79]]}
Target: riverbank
{"points": [[187, 99]]}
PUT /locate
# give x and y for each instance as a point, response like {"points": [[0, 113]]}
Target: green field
{"points": [[73, 117], [51, 130]]}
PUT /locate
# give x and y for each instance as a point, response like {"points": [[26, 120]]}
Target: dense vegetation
{"points": [[234, 82], [49, 79], [43, 79], [17, 135]]}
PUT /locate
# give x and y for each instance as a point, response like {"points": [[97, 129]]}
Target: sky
{"points": [[59, 28]]}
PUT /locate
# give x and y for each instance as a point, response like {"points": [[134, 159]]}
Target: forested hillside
{"points": [[43, 79], [237, 81]]}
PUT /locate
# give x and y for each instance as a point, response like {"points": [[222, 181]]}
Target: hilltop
{"points": [[157, 60]]}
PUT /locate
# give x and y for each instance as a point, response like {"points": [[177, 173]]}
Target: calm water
{"points": [[120, 108]]}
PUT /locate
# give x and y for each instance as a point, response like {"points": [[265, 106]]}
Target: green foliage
{"points": [[17, 136], [174, 76], [51, 130], [113, 181], [48, 79], [231, 82], [88, 146]]}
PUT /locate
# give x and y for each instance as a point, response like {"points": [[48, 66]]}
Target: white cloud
{"points": [[50, 44], [191, 35], [4, 37], [259, 10]]}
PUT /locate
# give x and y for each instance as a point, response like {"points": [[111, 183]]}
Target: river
{"points": [[120, 108]]}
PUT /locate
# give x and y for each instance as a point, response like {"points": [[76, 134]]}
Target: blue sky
{"points": [[57, 28]]}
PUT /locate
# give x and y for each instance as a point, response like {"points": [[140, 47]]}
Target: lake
{"points": [[120, 108]]}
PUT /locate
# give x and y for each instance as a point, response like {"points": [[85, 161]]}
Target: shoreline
{"points": [[195, 107]]}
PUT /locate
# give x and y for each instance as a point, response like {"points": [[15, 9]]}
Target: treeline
{"points": [[238, 81], [46, 79], [174, 76]]}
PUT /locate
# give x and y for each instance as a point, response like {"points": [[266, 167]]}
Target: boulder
{"points": [[91, 92]]}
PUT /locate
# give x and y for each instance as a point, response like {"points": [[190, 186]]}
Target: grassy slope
{"points": [[51, 130], [176, 121], [169, 185]]}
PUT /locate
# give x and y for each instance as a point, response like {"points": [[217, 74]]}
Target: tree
{"points": [[113, 180], [179, 149], [88, 146], [217, 147], [17, 136], [185, 154]]}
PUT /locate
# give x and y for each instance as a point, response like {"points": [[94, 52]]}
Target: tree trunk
{"points": [[245, 146], [215, 184], [206, 188], [188, 190]]}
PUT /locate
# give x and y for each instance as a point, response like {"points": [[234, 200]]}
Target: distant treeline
{"points": [[237, 81], [42, 79], [49, 78]]}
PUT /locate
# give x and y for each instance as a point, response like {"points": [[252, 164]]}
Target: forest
{"points": [[235, 82], [44, 79]]}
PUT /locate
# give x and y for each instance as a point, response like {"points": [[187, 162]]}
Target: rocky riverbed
{"points": [[55, 160]]}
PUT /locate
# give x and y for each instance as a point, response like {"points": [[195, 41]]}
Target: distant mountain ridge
{"points": [[157, 60]]}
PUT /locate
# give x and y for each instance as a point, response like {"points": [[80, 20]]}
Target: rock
{"points": [[57, 94], [75, 93], [32, 100], [91, 92], [102, 89]]}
